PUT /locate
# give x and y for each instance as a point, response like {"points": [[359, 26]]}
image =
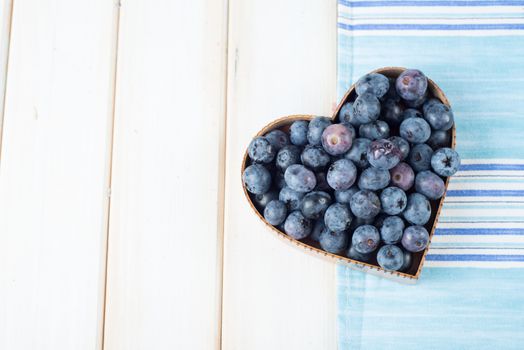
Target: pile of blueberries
{"points": [[363, 186]]}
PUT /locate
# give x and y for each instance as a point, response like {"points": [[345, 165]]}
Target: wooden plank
{"points": [[53, 174], [164, 242], [281, 61]]}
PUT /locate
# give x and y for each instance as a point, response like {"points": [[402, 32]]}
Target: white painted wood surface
{"points": [[281, 61], [164, 277], [53, 174], [5, 30]]}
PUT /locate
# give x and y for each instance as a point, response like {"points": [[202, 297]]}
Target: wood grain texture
{"points": [[53, 174], [281, 62], [164, 270]]}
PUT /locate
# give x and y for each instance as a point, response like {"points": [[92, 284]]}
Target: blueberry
{"points": [[257, 179], [365, 239], [439, 116], [373, 83], [392, 92], [402, 176], [316, 128], [275, 212], [322, 184], [298, 132], [420, 157], [346, 115], [439, 139], [411, 113], [390, 257], [429, 184], [402, 145], [416, 103], [338, 217], [393, 200], [341, 174], [429, 103], [415, 239], [418, 210], [344, 196], [333, 242], [297, 226], [373, 179], [445, 161], [365, 204], [278, 180], [288, 155], [383, 154], [261, 200], [300, 178], [314, 157], [411, 84], [358, 153], [415, 130], [366, 108], [357, 222], [391, 229], [317, 230], [352, 253], [291, 198], [260, 150], [337, 139], [391, 112], [375, 130], [407, 261], [277, 138], [314, 204]]}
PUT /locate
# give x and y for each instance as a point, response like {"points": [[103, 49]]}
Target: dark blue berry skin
{"points": [[439, 116], [346, 115], [352, 253], [365, 204], [415, 239], [445, 161], [365, 239], [338, 217], [260, 150], [415, 130], [357, 222], [439, 139], [314, 204], [317, 230], [278, 180], [418, 210], [390, 257], [322, 184], [429, 103], [393, 200], [333, 242], [373, 179], [366, 108], [420, 157], [375, 130], [300, 178], [261, 200], [383, 154], [341, 174], [315, 157], [338, 138], [402, 145], [316, 128], [344, 196], [429, 184], [373, 83], [297, 226], [298, 132], [391, 112], [408, 258], [275, 212], [277, 138], [411, 84], [392, 92], [416, 103], [392, 229], [402, 176], [358, 152], [411, 113], [288, 155], [257, 179], [292, 198]]}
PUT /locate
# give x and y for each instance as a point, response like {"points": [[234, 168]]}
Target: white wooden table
{"points": [[122, 219]]}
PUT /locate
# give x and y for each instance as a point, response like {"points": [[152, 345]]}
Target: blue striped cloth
{"points": [[470, 294]]}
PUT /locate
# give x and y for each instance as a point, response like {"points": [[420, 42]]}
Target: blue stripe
{"points": [[484, 26], [478, 231], [473, 257], [485, 193], [428, 3], [492, 167]]}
